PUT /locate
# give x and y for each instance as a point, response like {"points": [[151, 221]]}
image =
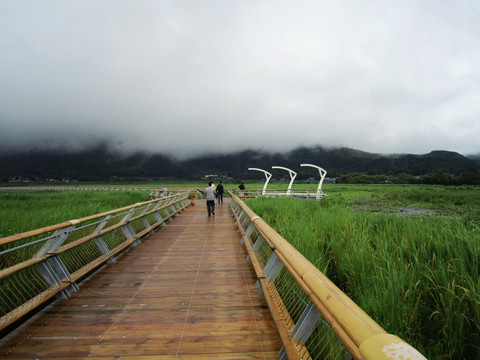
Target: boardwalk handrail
{"points": [[306, 305], [39, 264]]}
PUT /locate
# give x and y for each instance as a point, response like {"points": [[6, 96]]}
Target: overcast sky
{"points": [[186, 77]]}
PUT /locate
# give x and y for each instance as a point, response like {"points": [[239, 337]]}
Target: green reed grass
{"points": [[418, 277], [24, 211]]}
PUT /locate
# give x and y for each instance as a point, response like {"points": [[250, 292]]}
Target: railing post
{"points": [[127, 229], [306, 324], [159, 218], [52, 269], [157, 215], [145, 222], [258, 285], [58, 238], [250, 229], [272, 268], [51, 278], [173, 206], [98, 241], [241, 218], [258, 243], [245, 221]]}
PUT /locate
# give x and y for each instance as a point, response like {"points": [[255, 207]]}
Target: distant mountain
{"points": [[475, 158], [336, 161], [100, 163]]}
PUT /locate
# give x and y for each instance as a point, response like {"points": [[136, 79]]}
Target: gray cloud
{"points": [[185, 77]]}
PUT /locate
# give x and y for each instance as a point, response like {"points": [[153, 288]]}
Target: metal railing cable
{"points": [[40, 264], [314, 318]]}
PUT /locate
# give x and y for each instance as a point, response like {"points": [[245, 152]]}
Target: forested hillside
{"points": [[100, 163]]}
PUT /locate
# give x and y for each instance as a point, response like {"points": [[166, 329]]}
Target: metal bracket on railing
{"points": [[51, 277], [127, 229], [272, 268], [98, 241], [144, 218], [159, 218], [145, 222], [259, 287], [258, 243], [250, 229], [128, 215], [176, 207], [52, 269], [306, 324], [157, 215], [57, 239], [245, 221], [241, 219], [102, 224]]}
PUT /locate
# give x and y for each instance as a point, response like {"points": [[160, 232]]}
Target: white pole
{"points": [[292, 173], [322, 173], [268, 176]]}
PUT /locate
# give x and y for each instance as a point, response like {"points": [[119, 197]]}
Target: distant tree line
{"points": [[437, 177], [100, 163]]}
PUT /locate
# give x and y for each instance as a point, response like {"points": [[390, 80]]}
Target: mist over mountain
{"points": [[100, 162]]}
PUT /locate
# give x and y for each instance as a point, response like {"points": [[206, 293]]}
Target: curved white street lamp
{"points": [[268, 176], [292, 173], [322, 173]]}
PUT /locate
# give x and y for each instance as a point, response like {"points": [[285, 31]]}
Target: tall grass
{"points": [[24, 211], [418, 277]]}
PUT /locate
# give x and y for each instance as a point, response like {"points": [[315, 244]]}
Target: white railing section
{"points": [[314, 318], [40, 264]]}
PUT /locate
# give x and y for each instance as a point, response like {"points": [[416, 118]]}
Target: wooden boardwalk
{"points": [[186, 292]]}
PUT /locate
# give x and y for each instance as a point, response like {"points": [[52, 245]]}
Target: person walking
{"points": [[242, 189], [210, 196], [220, 192]]}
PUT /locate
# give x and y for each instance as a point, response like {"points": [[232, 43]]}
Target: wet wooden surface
{"points": [[186, 292]]}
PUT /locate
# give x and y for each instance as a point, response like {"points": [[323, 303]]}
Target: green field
{"points": [[22, 211], [409, 255]]}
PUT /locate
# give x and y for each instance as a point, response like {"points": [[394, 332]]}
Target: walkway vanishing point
{"points": [[185, 292]]}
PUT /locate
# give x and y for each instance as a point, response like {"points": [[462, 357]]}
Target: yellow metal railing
{"points": [[315, 319], [40, 264]]}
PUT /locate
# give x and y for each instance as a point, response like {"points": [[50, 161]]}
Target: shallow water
{"points": [[414, 211]]}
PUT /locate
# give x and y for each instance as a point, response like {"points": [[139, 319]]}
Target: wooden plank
{"points": [[185, 292]]}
